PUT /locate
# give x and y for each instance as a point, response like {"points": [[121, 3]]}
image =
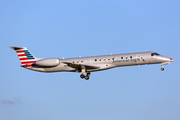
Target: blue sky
{"points": [[88, 28]]}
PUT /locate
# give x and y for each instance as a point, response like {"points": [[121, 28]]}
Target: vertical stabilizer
{"points": [[26, 58]]}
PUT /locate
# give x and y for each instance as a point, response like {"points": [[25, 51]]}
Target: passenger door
{"points": [[91, 60], [138, 58]]}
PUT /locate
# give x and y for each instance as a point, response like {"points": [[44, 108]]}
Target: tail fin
{"points": [[26, 58]]}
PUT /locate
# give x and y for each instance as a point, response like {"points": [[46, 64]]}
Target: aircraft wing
{"points": [[81, 66]]}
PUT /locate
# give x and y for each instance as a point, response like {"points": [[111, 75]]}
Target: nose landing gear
{"points": [[162, 68]]}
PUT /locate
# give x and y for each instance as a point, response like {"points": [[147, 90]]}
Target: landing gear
{"points": [[88, 74], [83, 71], [162, 68], [86, 77], [82, 76]]}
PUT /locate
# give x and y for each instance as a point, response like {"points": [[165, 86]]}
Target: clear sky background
{"points": [[54, 28]]}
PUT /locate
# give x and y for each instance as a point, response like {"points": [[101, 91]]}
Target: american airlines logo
{"points": [[128, 60]]}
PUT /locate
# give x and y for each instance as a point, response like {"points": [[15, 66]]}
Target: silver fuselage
{"points": [[107, 62]]}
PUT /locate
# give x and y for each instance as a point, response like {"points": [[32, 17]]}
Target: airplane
{"points": [[86, 65]]}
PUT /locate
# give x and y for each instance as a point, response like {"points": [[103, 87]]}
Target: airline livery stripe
{"points": [[28, 62], [30, 58], [29, 65], [23, 58], [19, 51], [27, 53], [22, 55]]}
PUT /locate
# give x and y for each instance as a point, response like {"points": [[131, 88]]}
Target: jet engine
{"points": [[49, 62]]}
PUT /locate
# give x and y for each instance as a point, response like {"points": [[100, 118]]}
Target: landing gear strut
{"points": [[162, 68], [83, 71]]}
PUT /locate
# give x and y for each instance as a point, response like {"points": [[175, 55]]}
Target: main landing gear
{"points": [[86, 77]]}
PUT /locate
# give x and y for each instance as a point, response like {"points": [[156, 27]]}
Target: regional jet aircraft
{"points": [[86, 65]]}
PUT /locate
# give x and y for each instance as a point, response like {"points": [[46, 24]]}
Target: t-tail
{"points": [[29, 61], [26, 58]]}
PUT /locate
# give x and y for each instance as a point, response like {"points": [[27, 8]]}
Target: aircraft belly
{"points": [[58, 68]]}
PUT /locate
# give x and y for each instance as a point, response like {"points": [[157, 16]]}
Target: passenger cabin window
{"points": [[104, 59], [126, 57], [112, 58], [121, 57], [108, 58], [95, 59], [73, 62], [81, 61], [77, 61], [130, 56], [99, 59]]}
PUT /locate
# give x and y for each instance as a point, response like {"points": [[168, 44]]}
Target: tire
{"points": [[87, 77], [82, 76]]}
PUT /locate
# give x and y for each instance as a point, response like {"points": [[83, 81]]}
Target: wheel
{"points": [[87, 77], [82, 76], [162, 69], [88, 74]]}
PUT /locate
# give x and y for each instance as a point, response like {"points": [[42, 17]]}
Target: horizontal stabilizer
{"points": [[18, 48]]}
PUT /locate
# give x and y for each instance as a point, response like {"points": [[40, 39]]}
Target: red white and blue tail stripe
{"points": [[26, 58]]}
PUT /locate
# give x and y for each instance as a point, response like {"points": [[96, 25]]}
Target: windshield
{"points": [[153, 54], [157, 54]]}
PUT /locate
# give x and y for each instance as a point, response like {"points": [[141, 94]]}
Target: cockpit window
{"points": [[153, 54], [157, 54]]}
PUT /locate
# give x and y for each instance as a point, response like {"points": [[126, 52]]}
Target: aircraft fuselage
{"points": [[86, 65], [108, 61]]}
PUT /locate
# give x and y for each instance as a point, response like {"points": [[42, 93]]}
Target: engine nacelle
{"points": [[49, 62]]}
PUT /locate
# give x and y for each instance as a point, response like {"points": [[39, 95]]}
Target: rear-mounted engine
{"points": [[49, 62]]}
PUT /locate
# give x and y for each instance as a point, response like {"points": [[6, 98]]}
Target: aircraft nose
{"points": [[171, 59]]}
